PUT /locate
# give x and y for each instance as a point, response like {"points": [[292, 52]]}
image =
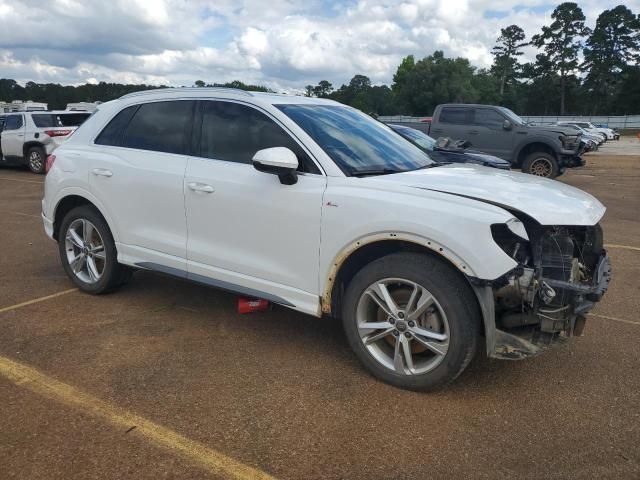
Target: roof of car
{"points": [[223, 92]]}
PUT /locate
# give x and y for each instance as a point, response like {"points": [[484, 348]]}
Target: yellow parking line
{"points": [[614, 318], [624, 247], [207, 458], [37, 300]]}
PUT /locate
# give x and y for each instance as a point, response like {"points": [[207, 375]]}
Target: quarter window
{"points": [[459, 116], [235, 132], [110, 135], [160, 127]]}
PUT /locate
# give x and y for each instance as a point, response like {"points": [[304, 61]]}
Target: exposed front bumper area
{"points": [[533, 332], [562, 273]]}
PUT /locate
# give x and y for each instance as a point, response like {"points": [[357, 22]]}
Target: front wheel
{"points": [[541, 164], [411, 320], [88, 252]]}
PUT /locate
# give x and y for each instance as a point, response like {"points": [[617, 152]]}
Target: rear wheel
{"points": [[412, 320], [88, 252], [541, 164], [36, 159]]}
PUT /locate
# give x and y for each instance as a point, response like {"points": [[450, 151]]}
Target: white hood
{"points": [[549, 202]]}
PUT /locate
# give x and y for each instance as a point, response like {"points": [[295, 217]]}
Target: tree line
{"points": [[577, 70], [58, 96]]}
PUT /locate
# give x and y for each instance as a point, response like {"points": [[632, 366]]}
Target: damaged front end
{"points": [[562, 272]]}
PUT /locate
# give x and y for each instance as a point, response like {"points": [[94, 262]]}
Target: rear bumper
{"points": [[48, 226]]}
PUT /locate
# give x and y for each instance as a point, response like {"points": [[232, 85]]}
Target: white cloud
{"points": [[283, 44]]}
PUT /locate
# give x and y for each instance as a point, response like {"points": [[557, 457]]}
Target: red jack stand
{"points": [[250, 305]]}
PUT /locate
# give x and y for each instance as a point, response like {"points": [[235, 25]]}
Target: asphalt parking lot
{"points": [[163, 379]]}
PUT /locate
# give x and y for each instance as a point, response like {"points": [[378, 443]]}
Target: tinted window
{"points": [[455, 115], [45, 120], [110, 135], [72, 119], [488, 118], [13, 122], [160, 126], [355, 142], [235, 132]]}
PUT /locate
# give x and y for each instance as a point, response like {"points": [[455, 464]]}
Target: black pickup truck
{"points": [[545, 151]]}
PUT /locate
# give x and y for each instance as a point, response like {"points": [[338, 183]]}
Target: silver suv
{"points": [[28, 137]]}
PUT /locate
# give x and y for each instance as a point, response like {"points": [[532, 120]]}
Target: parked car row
{"points": [[542, 150], [444, 150], [26, 138], [318, 207]]}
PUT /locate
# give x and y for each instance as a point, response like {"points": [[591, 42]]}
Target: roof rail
{"points": [[187, 89]]}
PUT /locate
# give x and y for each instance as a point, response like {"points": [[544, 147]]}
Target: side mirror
{"points": [[506, 125], [278, 161]]}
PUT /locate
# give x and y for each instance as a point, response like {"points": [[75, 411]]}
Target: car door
{"points": [[12, 137], [487, 133], [247, 231], [138, 175], [453, 122]]}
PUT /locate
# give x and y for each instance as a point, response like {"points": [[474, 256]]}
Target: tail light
{"points": [[50, 161], [58, 133]]}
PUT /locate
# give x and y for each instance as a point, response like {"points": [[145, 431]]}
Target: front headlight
{"points": [[569, 140], [512, 238], [517, 228]]}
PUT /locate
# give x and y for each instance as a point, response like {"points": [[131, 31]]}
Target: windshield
{"points": [[512, 116], [422, 139], [354, 141]]}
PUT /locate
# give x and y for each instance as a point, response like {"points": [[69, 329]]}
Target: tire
{"points": [[36, 159], [541, 164], [107, 274], [453, 314]]}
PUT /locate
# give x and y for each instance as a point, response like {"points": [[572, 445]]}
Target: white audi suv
{"points": [[316, 206]]}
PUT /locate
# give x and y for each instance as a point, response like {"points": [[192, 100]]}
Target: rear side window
{"points": [[45, 120], [455, 115], [72, 119], [488, 118], [235, 132], [13, 122], [110, 135], [160, 126]]}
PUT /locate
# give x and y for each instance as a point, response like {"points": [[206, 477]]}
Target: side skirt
{"points": [[212, 282]]}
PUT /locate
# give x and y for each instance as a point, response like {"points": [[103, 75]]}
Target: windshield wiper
{"points": [[374, 171], [433, 165]]}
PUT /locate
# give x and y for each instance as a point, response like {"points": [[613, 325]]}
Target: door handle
{"points": [[20, 135], [474, 132], [201, 187], [102, 172]]}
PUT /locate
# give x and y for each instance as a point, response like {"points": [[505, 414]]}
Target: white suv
{"points": [[28, 137], [315, 206]]}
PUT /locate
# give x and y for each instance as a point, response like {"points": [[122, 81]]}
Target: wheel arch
{"points": [[534, 146], [364, 250], [68, 203], [351, 259], [30, 144]]}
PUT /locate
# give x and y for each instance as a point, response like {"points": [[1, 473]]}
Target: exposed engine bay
{"points": [[562, 272]]}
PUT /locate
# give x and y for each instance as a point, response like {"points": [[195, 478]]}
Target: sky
{"points": [[283, 44]]}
